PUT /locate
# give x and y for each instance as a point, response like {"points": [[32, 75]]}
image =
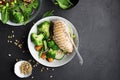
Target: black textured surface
{"points": [[98, 25]]}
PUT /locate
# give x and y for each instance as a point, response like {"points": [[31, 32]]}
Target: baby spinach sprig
{"points": [[17, 11], [64, 4]]}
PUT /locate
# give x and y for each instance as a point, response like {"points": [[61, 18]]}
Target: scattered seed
{"points": [[17, 60], [37, 63], [53, 69], [8, 41], [15, 43], [23, 51], [41, 70], [29, 60], [47, 69], [8, 36], [13, 35], [51, 76], [12, 31], [20, 45], [32, 77], [33, 65], [9, 55]]}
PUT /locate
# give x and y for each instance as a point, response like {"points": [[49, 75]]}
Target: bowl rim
{"points": [[46, 18]]}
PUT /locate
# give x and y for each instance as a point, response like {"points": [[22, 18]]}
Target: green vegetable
{"points": [[53, 45], [48, 13], [17, 11], [73, 36], [71, 33], [59, 55], [26, 12], [35, 4], [64, 4], [40, 53], [37, 39], [16, 17], [64, 51], [4, 14], [44, 28], [51, 53], [45, 45]]}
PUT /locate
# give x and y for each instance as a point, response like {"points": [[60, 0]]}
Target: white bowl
{"points": [[34, 53], [17, 69], [33, 16]]}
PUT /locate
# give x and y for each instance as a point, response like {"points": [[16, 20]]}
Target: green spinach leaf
{"points": [[64, 4], [4, 15], [26, 12], [17, 17], [34, 4]]}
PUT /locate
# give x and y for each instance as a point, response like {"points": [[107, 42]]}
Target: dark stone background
{"points": [[98, 25]]}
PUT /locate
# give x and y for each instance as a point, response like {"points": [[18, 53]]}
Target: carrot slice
{"points": [[37, 48], [43, 56], [50, 59]]}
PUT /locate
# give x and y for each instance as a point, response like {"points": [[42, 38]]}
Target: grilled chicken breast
{"points": [[61, 35]]}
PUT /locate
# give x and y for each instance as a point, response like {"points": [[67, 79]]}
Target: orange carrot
{"points": [[37, 48], [50, 59], [43, 56]]}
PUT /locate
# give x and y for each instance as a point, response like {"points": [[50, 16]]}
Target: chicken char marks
{"points": [[61, 35]]}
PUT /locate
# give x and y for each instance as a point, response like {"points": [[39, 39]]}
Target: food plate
{"points": [[56, 63], [33, 15]]}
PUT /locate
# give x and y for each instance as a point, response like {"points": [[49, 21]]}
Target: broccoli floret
{"points": [[37, 39], [17, 17], [53, 45], [51, 53], [44, 28]]}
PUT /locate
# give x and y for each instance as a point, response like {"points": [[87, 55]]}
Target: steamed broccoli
{"points": [[51, 53], [17, 17], [37, 39], [53, 45], [44, 28]]}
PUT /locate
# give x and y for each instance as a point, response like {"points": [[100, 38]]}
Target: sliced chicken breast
{"points": [[61, 35]]}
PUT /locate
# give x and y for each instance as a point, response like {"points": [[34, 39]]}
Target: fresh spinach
{"points": [[35, 4], [26, 12], [17, 16], [18, 11], [64, 4], [4, 14]]}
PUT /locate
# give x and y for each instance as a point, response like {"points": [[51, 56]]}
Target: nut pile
{"points": [[25, 68]]}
